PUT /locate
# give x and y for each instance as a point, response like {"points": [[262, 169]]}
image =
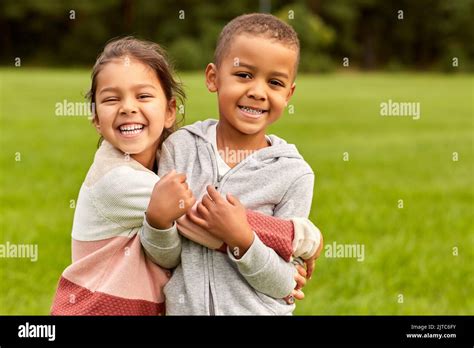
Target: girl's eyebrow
{"points": [[144, 85], [108, 89], [114, 89]]}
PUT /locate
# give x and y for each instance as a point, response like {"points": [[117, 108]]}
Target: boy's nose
{"points": [[257, 91]]}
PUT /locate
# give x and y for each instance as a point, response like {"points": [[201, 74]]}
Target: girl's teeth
{"points": [[133, 127], [129, 132]]}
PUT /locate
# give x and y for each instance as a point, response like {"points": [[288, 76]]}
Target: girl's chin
{"points": [[130, 149]]}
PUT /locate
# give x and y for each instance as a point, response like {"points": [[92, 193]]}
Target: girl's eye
{"points": [[244, 75], [144, 96], [112, 99], [277, 83]]}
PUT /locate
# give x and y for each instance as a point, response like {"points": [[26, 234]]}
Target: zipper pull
{"points": [[219, 178]]}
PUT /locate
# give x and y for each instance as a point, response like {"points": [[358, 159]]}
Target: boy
{"points": [[253, 74]]}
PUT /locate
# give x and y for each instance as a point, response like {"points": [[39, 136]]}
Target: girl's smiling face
{"points": [[132, 109]]}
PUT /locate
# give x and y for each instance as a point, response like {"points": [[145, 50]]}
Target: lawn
{"points": [[387, 184]]}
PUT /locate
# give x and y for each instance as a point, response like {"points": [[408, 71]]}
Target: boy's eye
{"points": [[244, 75], [277, 83]]}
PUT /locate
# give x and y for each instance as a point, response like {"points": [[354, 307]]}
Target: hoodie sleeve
{"points": [[265, 271], [261, 266], [297, 200], [162, 246], [166, 159]]}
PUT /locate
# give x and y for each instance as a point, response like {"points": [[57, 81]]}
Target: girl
{"points": [[135, 94]]}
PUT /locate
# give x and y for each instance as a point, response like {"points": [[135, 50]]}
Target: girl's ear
{"points": [[290, 94], [170, 116], [96, 123], [211, 77]]}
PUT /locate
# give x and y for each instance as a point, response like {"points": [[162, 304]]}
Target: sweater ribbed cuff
{"points": [[161, 238], [254, 260]]}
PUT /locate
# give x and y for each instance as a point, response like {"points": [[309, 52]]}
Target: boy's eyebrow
{"points": [[245, 65], [273, 73], [113, 89], [281, 74]]}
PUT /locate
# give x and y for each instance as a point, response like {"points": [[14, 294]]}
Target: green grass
{"points": [[408, 251]]}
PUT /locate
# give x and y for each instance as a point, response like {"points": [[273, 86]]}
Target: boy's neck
{"points": [[231, 140]]}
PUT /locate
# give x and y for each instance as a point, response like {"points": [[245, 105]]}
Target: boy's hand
{"points": [[310, 262], [225, 219], [297, 293], [170, 199]]}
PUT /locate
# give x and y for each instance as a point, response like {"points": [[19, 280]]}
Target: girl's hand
{"points": [[310, 262], [225, 219], [170, 199]]}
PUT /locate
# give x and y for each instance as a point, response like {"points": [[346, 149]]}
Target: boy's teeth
{"points": [[251, 110]]}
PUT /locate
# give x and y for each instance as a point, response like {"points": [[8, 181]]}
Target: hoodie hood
{"points": [[279, 147]]}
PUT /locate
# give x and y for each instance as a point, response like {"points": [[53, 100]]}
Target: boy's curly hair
{"points": [[260, 24]]}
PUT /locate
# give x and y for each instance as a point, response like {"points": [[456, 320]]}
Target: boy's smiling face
{"points": [[254, 82]]}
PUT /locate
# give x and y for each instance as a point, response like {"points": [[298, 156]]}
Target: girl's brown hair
{"points": [[150, 54]]}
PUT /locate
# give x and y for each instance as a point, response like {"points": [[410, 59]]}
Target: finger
{"points": [[290, 299], [190, 201], [300, 282], [197, 220], [215, 196], [309, 268], [298, 294], [207, 202], [301, 270], [181, 177], [321, 244], [232, 199], [203, 211]]}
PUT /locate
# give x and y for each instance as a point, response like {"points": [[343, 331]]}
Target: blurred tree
{"points": [[314, 35], [369, 32]]}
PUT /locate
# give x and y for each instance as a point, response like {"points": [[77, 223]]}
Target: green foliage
{"points": [[315, 37], [368, 32], [188, 54]]}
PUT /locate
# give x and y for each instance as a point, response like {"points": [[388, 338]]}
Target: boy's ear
{"points": [[170, 116], [211, 76], [290, 94]]}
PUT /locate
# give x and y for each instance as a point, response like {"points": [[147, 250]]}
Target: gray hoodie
{"points": [[275, 181]]}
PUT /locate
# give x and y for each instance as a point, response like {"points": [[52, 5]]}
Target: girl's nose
{"points": [[128, 107]]}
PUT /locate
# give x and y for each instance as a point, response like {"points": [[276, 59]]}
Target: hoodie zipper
{"points": [[212, 310], [217, 186], [217, 182]]}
